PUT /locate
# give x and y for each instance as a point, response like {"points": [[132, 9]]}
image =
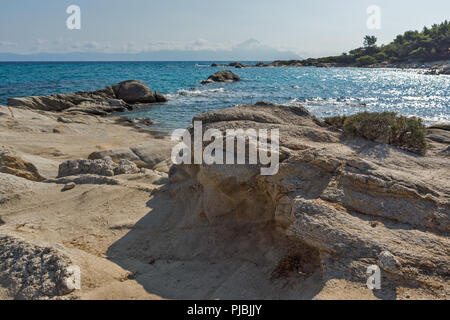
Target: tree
{"points": [[381, 56], [370, 41]]}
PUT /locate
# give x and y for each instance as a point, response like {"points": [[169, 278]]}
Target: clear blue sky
{"points": [[308, 28]]}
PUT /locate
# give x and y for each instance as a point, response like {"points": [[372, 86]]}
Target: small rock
{"points": [[159, 97], [69, 186], [116, 102], [388, 262], [126, 167], [64, 120]]}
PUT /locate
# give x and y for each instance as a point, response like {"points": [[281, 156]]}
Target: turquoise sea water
{"points": [[325, 92]]}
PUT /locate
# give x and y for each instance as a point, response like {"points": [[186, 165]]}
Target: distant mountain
{"points": [[250, 50]]}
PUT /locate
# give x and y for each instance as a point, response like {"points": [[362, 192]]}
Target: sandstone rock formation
{"points": [[336, 206], [118, 98], [222, 76], [354, 202], [143, 155], [13, 164]]}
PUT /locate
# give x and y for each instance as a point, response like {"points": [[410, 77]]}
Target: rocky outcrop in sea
{"points": [[117, 98], [222, 76]]}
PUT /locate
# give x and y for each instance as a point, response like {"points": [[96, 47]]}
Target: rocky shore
{"points": [[117, 98], [433, 68], [102, 194]]}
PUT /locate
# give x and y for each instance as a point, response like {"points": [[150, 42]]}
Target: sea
{"points": [[323, 91]]}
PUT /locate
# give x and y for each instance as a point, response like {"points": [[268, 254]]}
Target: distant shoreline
{"points": [[301, 63], [262, 64]]}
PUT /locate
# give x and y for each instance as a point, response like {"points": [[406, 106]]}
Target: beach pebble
{"points": [[69, 186]]}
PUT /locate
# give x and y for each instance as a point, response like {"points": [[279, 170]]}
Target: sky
{"points": [[272, 28]]}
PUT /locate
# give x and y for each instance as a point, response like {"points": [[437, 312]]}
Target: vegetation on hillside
{"points": [[387, 127], [430, 44]]}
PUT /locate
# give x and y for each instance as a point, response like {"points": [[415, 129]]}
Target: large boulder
{"points": [[134, 91], [222, 76]]}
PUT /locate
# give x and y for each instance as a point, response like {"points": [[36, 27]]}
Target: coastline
{"points": [[415, 65]]}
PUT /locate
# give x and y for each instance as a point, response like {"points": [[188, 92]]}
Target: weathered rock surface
{"points": [[388, 262], [350, 200], [222, 76], [11, 163], [12, 186], [144, 155], [118, 98], [33, 271], [102, 167], [439, 135], [126, 167]]}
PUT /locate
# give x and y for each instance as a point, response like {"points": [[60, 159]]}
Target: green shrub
{"points": [[386, 127], [381, 56], [337, 122], [366, 60]]}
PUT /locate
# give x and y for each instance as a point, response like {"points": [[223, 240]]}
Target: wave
{"points": [[195, 92], [341, 101]]}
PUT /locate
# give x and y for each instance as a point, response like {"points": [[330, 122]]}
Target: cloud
{"points": [[92, 45], [8, 44], [130, 47], [199, 49], [202, 44], [41, 42]]}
